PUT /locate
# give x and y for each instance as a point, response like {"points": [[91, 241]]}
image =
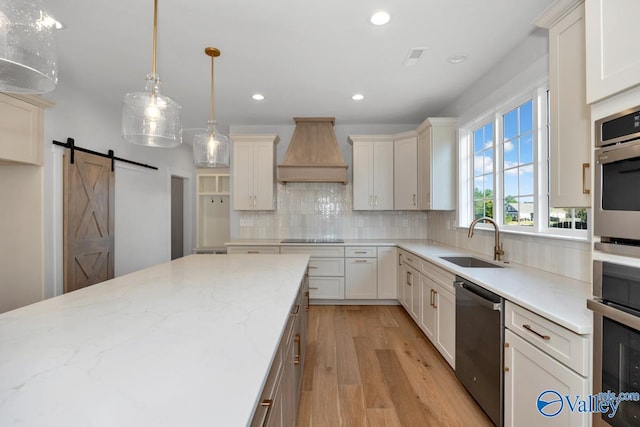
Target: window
{"points": [[504, 164]]}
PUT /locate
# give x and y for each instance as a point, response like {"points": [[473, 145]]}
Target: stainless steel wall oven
{"points": [[617, 182], [616, 341]]}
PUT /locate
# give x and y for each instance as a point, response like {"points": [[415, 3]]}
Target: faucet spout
{"points": [[497, 248]]}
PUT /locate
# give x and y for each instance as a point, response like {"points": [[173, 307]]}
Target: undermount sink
{"points": [[469, 261]]}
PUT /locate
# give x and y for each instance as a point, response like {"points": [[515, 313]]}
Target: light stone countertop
{"points": [[558, 298], [188, 342]]}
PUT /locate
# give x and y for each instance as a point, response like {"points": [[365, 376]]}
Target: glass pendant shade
{"points": [[150, 118], [28, 59], [211, 148]]}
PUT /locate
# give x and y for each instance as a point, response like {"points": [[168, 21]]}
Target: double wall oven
{"points": [[616, 265]]}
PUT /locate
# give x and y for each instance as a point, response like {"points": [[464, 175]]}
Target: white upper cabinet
{"points": [[372, 172], [22, 123], [613, 64], [569, 140], [253, 173], [437, 163], [405, 171]]}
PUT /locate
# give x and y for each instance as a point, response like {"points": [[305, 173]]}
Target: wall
{"points": [[142, 196], [322, 210], [525, 67]]}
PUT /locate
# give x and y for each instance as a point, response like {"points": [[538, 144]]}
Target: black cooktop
{"points": [[312, 241]]}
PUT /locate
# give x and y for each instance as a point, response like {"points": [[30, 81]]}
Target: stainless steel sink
{"points": [[469, 261]]}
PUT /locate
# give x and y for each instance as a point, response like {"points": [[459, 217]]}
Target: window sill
{"points": [[564, 237]]}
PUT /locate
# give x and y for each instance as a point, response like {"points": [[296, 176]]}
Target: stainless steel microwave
{"points": [[616, 213]]}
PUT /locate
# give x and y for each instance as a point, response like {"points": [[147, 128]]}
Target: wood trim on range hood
{"points": [[313, 154]]}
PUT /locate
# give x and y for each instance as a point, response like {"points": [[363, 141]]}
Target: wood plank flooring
{"points": [[372, 366]]}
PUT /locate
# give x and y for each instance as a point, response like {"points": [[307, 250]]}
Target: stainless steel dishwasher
{"points": [[479, 345]]}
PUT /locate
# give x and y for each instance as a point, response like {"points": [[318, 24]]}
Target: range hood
{"points": [[313, 154]]}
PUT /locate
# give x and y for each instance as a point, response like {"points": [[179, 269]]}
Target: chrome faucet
{"points": [[497, 248]]}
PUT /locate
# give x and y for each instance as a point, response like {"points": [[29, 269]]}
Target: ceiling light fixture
{"points": [[258, 96], [211, 148], [28, 59], [380, 18], [150, 118], [457, 58], [358, 97]]}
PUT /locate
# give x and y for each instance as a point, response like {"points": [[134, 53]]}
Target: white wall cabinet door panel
{"points": [[570, 136], [363, 176], [383, 176], [436, 164], [372, 172], [253, 173], [613, 65], [405, 173]]}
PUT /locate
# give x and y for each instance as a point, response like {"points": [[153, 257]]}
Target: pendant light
{"points": [[210, 147], [27, 48], [150, 118]]}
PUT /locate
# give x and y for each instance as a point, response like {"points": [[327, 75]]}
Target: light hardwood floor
{"points": [[372, 366]]}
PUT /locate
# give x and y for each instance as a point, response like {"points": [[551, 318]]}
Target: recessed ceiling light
{"points": [[457, 58], [380, 18], [358, 97], [257, 96]]}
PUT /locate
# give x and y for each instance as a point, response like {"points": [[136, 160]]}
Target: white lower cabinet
{"points": [[387, 272], [543, 360], [438, 312], [361, 278]]}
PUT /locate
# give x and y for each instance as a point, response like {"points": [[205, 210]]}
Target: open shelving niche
{"points": [[213, 210]]}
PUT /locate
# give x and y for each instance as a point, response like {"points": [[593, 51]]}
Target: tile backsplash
{"points": [[324, 210], [565, 257]]}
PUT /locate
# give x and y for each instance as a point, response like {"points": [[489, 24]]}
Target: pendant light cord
{"points": [[155, 39], [212, 91]]}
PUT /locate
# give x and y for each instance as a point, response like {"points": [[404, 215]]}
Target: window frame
{"points": [[541, 155]]}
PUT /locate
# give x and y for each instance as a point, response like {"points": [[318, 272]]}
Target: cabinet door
{"points": [[428, 316], [445, 303], [326, 287], [405, 174], [361, 278], [263, 178], [612, 65], [570, 148], [363, 175], [21, 125], [528, 373], [424, 168], [383, 175], [387, 272], [243, 176]]}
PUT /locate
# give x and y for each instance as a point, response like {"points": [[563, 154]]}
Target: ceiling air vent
{"points": [[413, 56]]}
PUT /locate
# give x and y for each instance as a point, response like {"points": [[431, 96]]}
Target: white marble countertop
{"points": [[182, 343], [558, 298]]}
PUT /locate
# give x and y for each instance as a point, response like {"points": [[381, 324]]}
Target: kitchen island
{"points": [[188, 342]]}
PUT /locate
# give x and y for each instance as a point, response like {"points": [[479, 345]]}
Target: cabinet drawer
{"points": [[326, 287], [560, 343], [361, 252], [253, 250], [326, 267], [441, 276], [315, 251], [410, 259]]}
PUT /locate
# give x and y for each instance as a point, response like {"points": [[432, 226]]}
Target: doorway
{"points": [[177, 217]]}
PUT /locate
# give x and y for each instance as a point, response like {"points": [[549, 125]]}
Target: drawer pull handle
{"points": [[267, 403], [360, 252], [530, 329], [311, 266], [360, 261], [296, 359], [409, 259], [253, 252], [315, 289], [506, 369], [296, 309]]}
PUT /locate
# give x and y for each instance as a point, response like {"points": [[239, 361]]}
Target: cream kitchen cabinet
{"points": [[570, 154], [410, 281], [372, 172], [539, 356], [361, 273], [405, 171], [438, 309], [387, 272], [22, 124], [613, 65], [253, 173], [326, 270], [436, 155]]}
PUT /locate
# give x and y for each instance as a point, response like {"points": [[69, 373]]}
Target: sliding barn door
{"points": [[88, 220]]}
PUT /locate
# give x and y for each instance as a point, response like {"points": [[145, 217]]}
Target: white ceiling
{"points": [[307, 57]]}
